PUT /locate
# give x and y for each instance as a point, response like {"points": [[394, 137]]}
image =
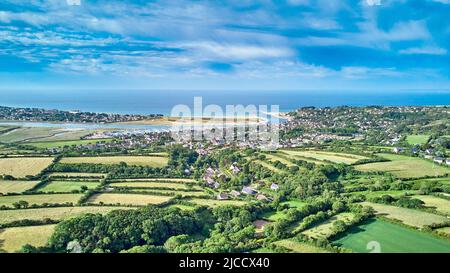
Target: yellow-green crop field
{"points": [[175, 180], [12, 239], [410, 217], [22, 166], [326, 156], [39, 199], [128, 199], [57, 213], [405, 167], [299, 247], [324, 230], [172, 192], [78, 175], [216, 203], [152, 185], [440, 204], [15, 186], [150, 161]]}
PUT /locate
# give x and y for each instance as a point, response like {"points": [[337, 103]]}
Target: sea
{"points": [[163, 101]]}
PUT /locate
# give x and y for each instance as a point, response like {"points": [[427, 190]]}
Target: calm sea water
{"points": [[161, 102]]}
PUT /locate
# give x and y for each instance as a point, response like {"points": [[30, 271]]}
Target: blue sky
{"points": [[235, 44]]}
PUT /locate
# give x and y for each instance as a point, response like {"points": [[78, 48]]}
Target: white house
{"points": [[439, 160], [222, 196], [248, 190], [448, 162], [274, 187]]}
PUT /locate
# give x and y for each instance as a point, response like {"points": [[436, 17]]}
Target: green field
{"points": [[405, 167], [324, 229], [294, 203], [128, 199], [67, 186], [415, 218], [39, 199], [372, 194], [153, 185], [273, 157], [57, 144], [177, 180], [299, 247], [16, 186], [58, 213], [78, 175], [20, 167], [12, 239], [216, 203], [440, 204], [325, 156], [417, 139], [150, 161], [171, 192], [392, 238]]}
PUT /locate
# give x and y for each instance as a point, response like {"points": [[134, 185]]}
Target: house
{"points": [[248, 190], [234, 168], [414, 150], [447, 162], [235, 193], [398, 150], [216, 185], [222, 196], [439, 160], [429, 151], [428, 157], [261, 197], [274, 187]]}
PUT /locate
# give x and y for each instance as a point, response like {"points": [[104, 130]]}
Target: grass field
{"points": [[216, 203], [405, 167], [326, 156], [59, 213], [150, 161], [67, 186], [392, 238], [267, 166], [75, 175], [273, 216], [152, 185], [417, 139], [372, 194], [293, 155], [16, 186], [40, 199], [273, 157], [57, 144], [440, 204], [23, 166], [410, 217], [294, 203], [177, 180], [172, 192], [12, 239], [444, 230], [299, 247], [127, 199], [324, 229]]}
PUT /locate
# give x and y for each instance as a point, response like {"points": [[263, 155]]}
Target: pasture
{"points": [[39, 199], [56, 213], [392, 238], [67, 186], [58, 144], [12, 239], [417, 139], [324, 230], [7, 186], [326, 156], [299, 247], [415, 218], [175, 180], [128, 199], [78, 175], [156, 185], [172, 192], [273, 157], [23, 166], [23, 134], [405, 167], [149, 161]]}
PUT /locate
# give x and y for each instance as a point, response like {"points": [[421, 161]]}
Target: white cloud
{"points": [[427, 50]]}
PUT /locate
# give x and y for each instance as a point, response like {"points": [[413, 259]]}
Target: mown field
{"points": [[153, 185], [299, 247], [76, 175], [23, 166], [12, 239], [67, 186], [325, 156], [324, 229], [391, 238], [417, 139], [39, 199], [150, 161], [179, 180], [410, 217], [171, 192], [128, 199], [16, 186], [405, 167], [58, 213]]}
